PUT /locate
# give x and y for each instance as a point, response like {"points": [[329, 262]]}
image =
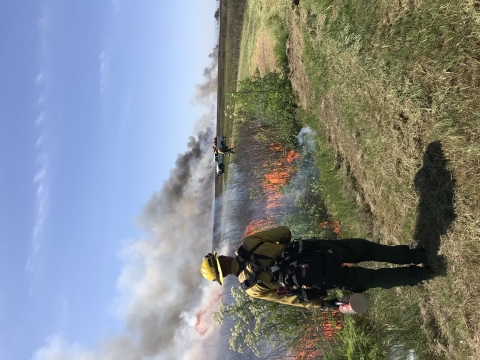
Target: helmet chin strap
{"points": [[225, 264]]}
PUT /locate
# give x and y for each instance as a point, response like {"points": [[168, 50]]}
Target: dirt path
{"points": [[263, 57]]}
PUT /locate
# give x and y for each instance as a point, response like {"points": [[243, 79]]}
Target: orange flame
{"points": [[283, 170], [332, 225], [258, 225], [276, 146], [274, 200], [292, 155], [199, 326], [281, 173], [198, 323], [310, 343]]}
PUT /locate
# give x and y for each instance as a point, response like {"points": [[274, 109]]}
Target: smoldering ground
{"points": [[163, 297]]}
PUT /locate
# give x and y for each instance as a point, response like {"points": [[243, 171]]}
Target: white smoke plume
{"points": [[205, 93], [164, 300], [306, 137]]}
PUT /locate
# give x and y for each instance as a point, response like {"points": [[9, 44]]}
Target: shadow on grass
{"points": [[435, 185]]}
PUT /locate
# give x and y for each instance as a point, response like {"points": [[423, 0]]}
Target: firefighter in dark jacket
{"points": [[270, 244]]}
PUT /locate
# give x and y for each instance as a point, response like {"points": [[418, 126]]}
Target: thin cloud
{"points": [[40, 179], [40, 77], [104, 70], [41, 201]]}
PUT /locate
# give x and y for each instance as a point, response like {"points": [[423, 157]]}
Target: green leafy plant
{"points": [[270, 101]]}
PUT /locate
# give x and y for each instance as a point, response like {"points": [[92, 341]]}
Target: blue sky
{"points": [[95, 105]]}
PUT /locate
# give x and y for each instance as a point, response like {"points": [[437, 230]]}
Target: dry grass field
{"points": [[393, 89]]}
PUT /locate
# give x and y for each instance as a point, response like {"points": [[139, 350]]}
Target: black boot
{"points": [[418, 254], [426, 274]]}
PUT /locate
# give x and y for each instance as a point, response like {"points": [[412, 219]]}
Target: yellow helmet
{"points": [[211, 269]]}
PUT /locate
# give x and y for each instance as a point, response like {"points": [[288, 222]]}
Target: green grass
{"points": [[271, 15], [247, 44], [336, 189], [395, 79], [280, 31], [232, 48], [386, 81]]}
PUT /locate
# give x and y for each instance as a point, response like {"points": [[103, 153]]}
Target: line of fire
{"points": [[269, 185]]}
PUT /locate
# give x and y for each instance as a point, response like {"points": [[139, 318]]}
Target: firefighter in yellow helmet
{"points": [[211, 268], [270, 244], [216, 267]]}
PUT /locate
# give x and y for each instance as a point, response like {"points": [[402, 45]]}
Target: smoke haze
{"points": [[163, 298], [205, 93]]}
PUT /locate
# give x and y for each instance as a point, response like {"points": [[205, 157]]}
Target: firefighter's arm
{"points": [[279, 234], [271, 295]]}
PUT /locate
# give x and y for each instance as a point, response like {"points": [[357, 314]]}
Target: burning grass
{"points": [[287, 193], [275, 175], [280, 171], [257, 226], [332, 225], [321, 333]]}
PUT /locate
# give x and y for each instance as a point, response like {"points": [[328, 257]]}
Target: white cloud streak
{"points": [[40, 179], [104, 70]]}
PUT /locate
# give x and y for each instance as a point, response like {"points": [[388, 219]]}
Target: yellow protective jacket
{"points": [[274, 242]]}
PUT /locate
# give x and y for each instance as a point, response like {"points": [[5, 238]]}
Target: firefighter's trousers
{"points": [[358, 278]]}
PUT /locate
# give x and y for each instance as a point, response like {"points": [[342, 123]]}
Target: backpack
{"points": [[303, 269]]}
